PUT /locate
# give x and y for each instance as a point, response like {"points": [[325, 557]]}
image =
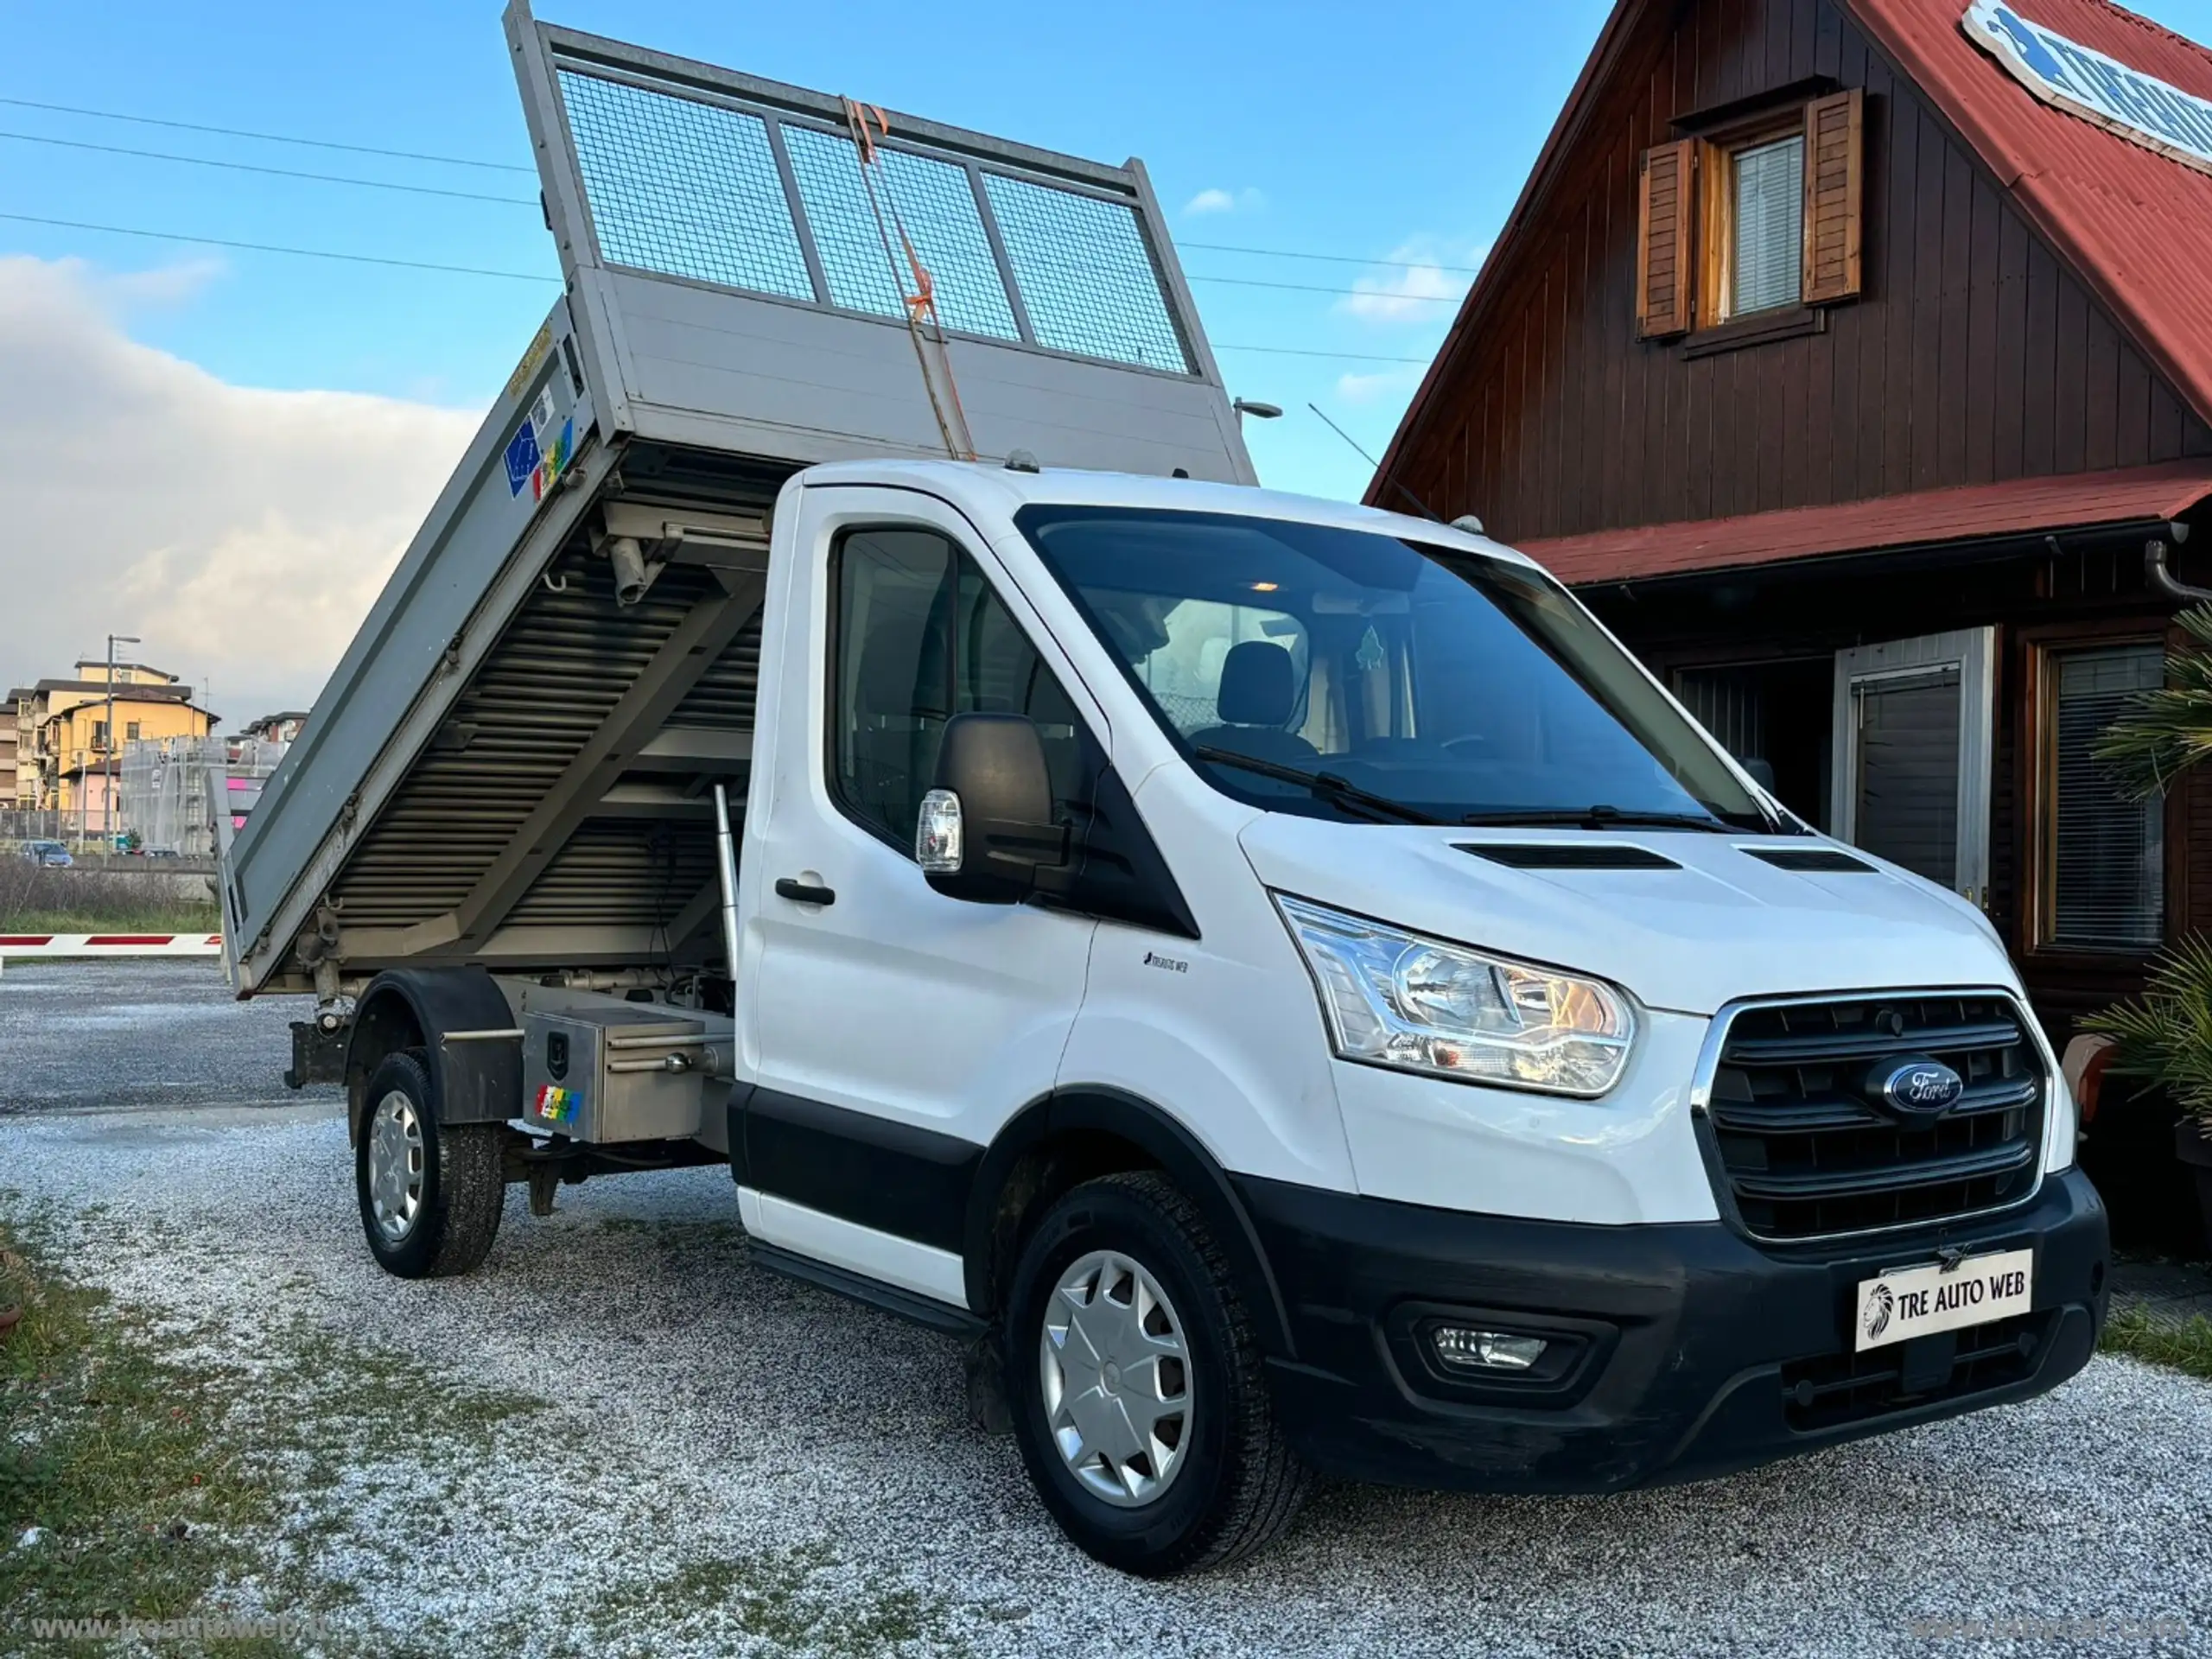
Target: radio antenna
{"points": [[1371, 461]]}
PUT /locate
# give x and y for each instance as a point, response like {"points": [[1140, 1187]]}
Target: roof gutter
{"points": [[1952, 553]]}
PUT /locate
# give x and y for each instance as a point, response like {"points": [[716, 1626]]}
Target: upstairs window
{"points": [[1756, 218], [1766, 229]]}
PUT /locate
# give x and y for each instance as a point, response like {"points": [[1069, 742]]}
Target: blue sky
{"points": [[1371, 131], [242, 519], [1299, 117]]}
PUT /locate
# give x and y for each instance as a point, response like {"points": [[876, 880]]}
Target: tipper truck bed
{"points": [[501, 769], [1275, 978]]}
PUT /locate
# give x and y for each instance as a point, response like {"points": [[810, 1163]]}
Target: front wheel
{"points": [[430, 1192], [1137, 1385]]}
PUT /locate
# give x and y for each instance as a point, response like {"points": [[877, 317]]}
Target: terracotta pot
{"points": [[2193, 1146]]}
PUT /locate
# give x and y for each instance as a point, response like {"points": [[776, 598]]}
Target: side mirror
{"points": [[1761, 772], [986, 826]]}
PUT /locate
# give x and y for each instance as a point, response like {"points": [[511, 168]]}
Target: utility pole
{"points": [[107, 764]]}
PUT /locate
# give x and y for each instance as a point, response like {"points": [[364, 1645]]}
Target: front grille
{"points": [[1807, 1148], [1851, 1388]]}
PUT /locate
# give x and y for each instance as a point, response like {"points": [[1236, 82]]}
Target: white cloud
{"points": [[1421, 282], [1366, 388], [168, 285], [241, 533], [1217, 201]]}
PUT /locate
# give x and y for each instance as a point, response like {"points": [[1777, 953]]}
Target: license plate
{"points": [[1910, 1302]]}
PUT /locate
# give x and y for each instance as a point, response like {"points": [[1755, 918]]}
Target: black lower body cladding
{"points": [[1676, 1352]]}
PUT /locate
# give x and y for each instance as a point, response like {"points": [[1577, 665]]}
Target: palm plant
{"points": [[2164, 1035], [2169, 729]]}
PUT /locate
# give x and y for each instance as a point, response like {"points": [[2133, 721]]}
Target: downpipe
{"points": [[2161, 577]]}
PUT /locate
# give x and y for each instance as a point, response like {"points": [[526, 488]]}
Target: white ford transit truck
{"points": [[1276, 979]]}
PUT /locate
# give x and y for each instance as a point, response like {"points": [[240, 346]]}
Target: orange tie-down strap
{"points": [[922, 302], [858, 117], [867, 121]]}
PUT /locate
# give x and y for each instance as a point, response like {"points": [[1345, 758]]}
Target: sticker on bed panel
{"points": [[523, 459], [556, 1104], [554, 460]]}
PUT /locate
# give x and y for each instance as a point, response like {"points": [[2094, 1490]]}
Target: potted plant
{"points": [[2164, 1036]]}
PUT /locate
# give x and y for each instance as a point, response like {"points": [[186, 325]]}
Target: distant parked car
{"points": [[50, 853], [162, 852]]}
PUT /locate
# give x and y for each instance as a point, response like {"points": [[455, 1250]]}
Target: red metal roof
{"points": [[2136, 225], [1971, 513]]}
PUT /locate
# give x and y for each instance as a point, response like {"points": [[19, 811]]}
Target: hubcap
{"points": [[1117, 1379], [396, 1166]]}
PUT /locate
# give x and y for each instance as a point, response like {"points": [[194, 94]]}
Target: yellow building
{"points": [[65, 752]]}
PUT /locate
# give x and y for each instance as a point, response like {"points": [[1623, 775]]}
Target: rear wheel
{"points": [[430, 1192], [1137, 1386]]}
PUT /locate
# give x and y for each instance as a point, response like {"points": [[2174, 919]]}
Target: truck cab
{"points": [[1275, 979]]}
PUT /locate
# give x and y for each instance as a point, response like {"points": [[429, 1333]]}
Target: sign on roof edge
{"points": [[2084, 82]]}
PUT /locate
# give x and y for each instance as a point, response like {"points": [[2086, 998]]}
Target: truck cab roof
{"points": [[1012, 488]]}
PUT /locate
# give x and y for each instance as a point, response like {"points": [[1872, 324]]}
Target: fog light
{"points": [[1463, 1349]]}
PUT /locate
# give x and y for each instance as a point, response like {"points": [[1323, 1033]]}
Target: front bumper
{"points": [[1695, 1352]]}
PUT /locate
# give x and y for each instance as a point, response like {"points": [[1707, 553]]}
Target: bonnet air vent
{"points": [[1811, 860], [1564, 855]]}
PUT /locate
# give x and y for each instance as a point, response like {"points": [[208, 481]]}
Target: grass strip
{"points": [[120, 1498], [2179, 1345], [162, 1481], [190, 919]]}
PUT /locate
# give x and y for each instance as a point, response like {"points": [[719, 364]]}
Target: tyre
{"points": [[1137, 1386], [430, 1192]]}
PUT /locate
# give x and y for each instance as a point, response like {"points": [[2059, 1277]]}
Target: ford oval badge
{"points": [[1922, 1088]]}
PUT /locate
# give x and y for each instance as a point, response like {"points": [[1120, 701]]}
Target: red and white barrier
{"points": [[111, 945]]}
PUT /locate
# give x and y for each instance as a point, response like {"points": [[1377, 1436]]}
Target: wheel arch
{"points": [[1070, 1137], [475, 1082]]}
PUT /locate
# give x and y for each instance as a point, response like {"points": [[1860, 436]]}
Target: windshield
{"points": [[1304, 666]]}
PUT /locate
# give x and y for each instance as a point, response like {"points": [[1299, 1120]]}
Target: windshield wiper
{"points": [[1326, 786], [1603, 817]]}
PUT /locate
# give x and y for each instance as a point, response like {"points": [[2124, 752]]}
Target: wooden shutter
{"points": [[1665, 266], [1835, 147]]}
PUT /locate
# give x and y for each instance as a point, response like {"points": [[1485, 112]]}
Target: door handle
{"points": [[804, 892]]}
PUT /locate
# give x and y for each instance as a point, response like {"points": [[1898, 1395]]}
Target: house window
{"points": [[1766, 237], [1757, 216], [2104, 860], [131, 731]]}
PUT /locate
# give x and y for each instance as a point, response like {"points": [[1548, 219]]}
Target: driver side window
{"points": [[920, 636]]}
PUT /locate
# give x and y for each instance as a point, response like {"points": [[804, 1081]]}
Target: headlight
{"points": [[1398, 999]]}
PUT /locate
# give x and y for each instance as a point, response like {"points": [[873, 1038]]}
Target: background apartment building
{"points": [[65, 752]]}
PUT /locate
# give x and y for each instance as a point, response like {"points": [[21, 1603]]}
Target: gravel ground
{"points": [[717, 1460], [149, 1032]]}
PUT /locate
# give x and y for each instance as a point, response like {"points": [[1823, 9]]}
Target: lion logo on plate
{"points": [[1879, 1305]]}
